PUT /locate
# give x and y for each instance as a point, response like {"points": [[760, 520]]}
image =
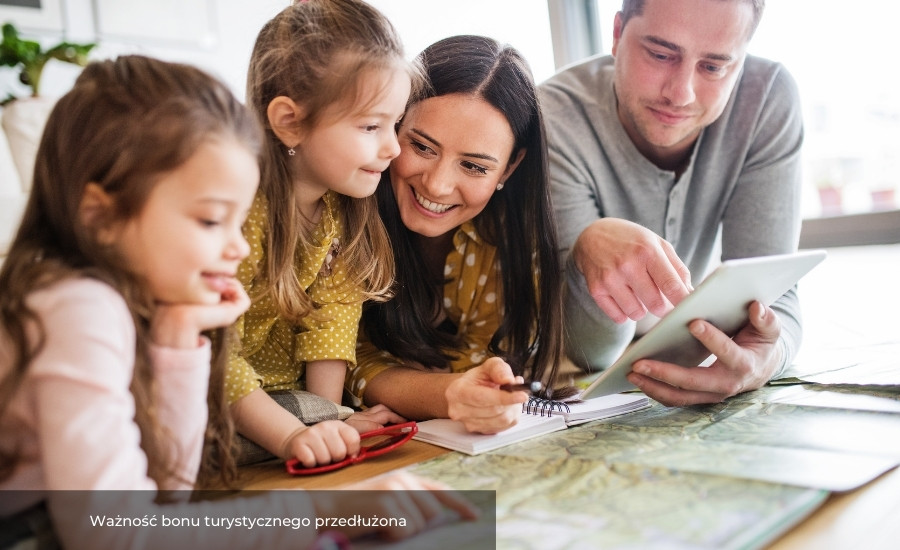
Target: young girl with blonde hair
{"points": [[124, 260], [329, 82]]}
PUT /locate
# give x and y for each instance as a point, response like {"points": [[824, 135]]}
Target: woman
{"points": [[466, 204]]}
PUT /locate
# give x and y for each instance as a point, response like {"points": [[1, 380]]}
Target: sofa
{"points": [[19, 138]]}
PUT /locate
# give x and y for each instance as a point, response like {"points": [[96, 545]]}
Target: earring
{"points": [[499, 186], [291, 151]]}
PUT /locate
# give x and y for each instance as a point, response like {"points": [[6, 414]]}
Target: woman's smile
{"points": [[431, 206]]}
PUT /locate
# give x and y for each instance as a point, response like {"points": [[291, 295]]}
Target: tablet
{"points": [[722, 299]]}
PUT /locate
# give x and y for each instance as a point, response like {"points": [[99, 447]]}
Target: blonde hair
{"points": [[319, 53], [124, 124]]}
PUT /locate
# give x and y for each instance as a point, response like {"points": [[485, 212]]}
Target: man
{"points": [[677, 140]]}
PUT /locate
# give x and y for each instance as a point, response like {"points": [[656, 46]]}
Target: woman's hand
{"points": [[475, 398], [374, 418], [180, 325]]}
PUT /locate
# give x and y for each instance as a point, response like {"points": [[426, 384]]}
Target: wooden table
{"points": [[853, 289], [272, 475], [868, 517]]}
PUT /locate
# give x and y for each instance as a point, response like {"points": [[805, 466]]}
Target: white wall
{"points": [[522, 23]]}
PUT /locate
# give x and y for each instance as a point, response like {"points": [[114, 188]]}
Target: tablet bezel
{"points": [[722, 299]]}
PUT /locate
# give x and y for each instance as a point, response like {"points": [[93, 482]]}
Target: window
{"points": [[847, 75]]}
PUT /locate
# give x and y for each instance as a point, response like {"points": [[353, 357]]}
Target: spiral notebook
{"points": [[538, 417], [595, 408], [452, 434]]}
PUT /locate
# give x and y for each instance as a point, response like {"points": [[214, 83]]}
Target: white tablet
{"points": [[722, 299]]}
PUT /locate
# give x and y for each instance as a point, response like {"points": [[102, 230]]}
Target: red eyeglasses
{"points": [[374, 443]]}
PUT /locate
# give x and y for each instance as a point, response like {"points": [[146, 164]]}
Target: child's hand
{"points": [[422, 502], [180, 325], [322, 443], [374, 418]]}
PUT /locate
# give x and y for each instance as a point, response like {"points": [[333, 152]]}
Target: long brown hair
{"points": [[518, 221], [319, 53], [124, 124]]}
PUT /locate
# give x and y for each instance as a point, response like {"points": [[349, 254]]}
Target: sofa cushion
{"points": [[10, 183], [12, 198], [23, 121], [11, 208]]}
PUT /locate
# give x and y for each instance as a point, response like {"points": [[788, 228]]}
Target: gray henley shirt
{"points": [[742, 185]]}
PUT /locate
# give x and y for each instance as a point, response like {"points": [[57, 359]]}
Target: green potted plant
{"points": [[24, 118], [30, 58]]}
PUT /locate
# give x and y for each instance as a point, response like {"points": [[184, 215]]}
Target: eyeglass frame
{"points": [[401, 434]]}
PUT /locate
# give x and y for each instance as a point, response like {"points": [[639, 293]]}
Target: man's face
{"points": [[676, 65]]}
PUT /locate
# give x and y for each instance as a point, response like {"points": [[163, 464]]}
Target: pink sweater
{"points": [[73, 421]]}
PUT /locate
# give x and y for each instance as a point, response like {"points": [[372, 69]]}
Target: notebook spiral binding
{"points": [[539, 405]]}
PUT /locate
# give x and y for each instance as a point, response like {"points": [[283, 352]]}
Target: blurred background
{"points": [[842, 60]]}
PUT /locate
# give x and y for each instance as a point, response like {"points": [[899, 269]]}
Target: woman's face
{"points": [[454, 151]]}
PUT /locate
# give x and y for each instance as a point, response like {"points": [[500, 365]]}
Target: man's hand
{"points": [[630, 269], [742, 364]]}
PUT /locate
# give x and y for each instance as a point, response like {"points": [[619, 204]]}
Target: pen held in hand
{"points": [[530, 387]]}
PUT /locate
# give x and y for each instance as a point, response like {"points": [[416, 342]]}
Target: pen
{"points": [[531, 387]]}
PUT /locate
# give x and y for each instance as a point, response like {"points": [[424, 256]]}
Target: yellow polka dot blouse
{"points": [[273, 352], [471, 300]]}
